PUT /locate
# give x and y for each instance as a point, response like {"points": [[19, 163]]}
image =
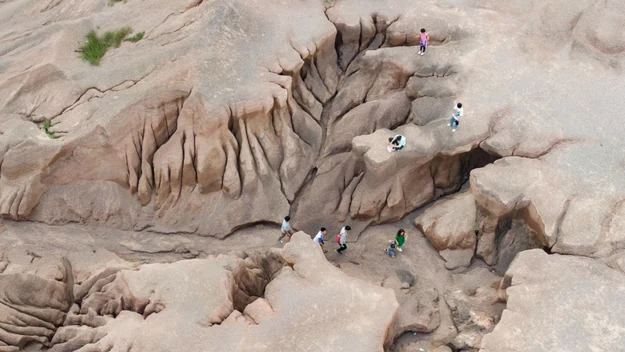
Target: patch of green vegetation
{"points": [[113, 2], [46, 129], [135, 38], [115, 38], [95, 46]]}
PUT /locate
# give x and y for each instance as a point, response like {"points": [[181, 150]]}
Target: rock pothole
{"points": [[252, 276]]}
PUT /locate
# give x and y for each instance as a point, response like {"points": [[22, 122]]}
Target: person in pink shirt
{"points": [[425, 40]]}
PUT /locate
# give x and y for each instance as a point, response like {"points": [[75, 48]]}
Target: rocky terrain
{"points": [[135, 189]]}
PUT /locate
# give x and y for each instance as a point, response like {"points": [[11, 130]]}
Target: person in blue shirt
{"points": [[396, 143]]}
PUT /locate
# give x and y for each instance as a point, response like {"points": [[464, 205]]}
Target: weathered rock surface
{"points": [[174, 134], [230, 113], [195, 141], [560, 303], [449, 225], [280, 300], [561, 170]]}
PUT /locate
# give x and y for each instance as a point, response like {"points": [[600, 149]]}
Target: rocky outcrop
{"points": [[181, 145], [38, 291], [574, 299], [449, 225], [279, 300], [232, 113]]}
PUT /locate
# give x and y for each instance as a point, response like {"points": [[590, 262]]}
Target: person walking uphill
{"points": [[286, 229], [342, 239], [400, 239], [319, 238], [455, 117], [424, 41]]}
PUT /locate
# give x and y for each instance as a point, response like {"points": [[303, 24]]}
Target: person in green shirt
{"points": [[400, 239]]}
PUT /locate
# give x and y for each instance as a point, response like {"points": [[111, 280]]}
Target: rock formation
{"points": [[449, 225], [557, 302], [281, 300], [232, 113], [198, 142]]}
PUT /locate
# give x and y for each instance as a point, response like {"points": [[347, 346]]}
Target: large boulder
{"points": [[449, 225], [560, 303]]}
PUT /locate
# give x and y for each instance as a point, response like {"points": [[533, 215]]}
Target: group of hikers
{"points": [[394, 244], [398, 142], [395, 144]]}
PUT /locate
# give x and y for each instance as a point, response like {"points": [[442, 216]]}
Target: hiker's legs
{"points": [[342, 248], [281, 236], [422, 49], [456, 123], [452, 121]]}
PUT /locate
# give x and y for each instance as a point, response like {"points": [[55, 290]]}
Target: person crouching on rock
{"points": [[319, 238], [391, 248], [286, 229], [396, 143], [341, 238], [400, 239]]}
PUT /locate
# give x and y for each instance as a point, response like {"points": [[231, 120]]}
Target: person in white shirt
{"points": [[319, 238], [342, 239], [455, 117], [396, 143], [285, 230]]}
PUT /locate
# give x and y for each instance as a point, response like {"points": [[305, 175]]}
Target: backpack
{"points": [[338, 238]]}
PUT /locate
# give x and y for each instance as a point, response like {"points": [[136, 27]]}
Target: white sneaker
{"points": [[454, 130], [399, 249], [279, 241], [449, 124]]}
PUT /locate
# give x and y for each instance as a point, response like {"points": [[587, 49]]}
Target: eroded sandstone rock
{"points": [[449, 225], [198, 142], [280, 300], [576, 300]]}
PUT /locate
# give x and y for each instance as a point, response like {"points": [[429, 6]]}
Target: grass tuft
{"points": [[135, 38], [115, 38], [46, 129], [113, 2], [95, 47]]}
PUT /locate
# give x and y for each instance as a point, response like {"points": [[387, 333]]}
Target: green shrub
{"points": [[46, 129], [95, 47], [113, 2]]}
